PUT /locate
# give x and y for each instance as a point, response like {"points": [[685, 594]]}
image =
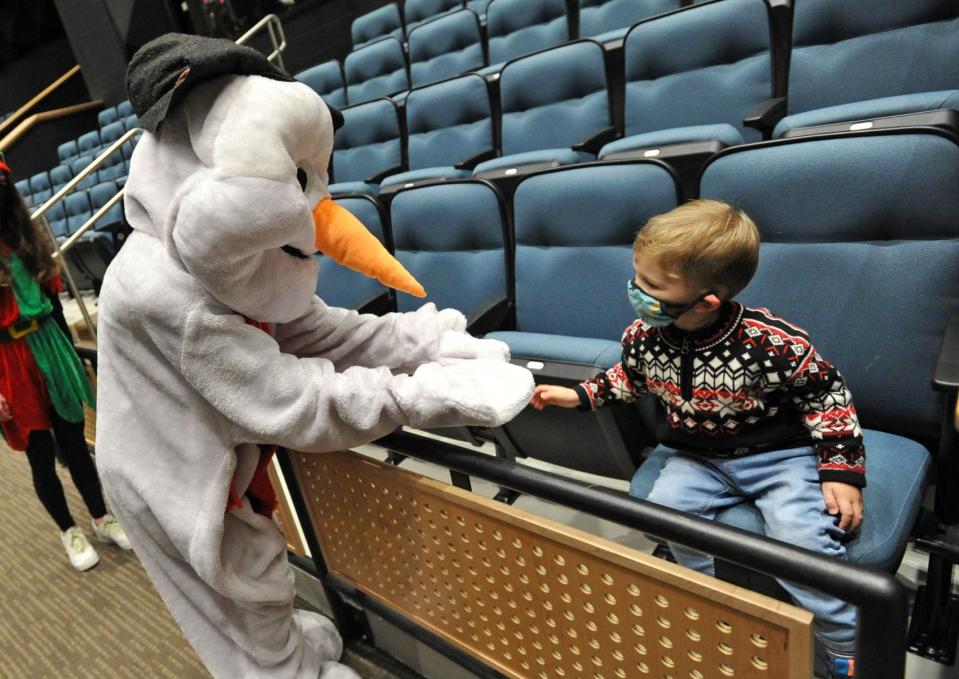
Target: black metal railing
{"points": [[881, 600]]}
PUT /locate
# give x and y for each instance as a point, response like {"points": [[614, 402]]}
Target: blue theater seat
{"points": [[67, 151], [342, 287], [77, 206], [693, 75], [326, 80], [23, 188], [40, 188], [89, 143], [517, 27], [77, 167], [60, 176], [844, 221], [417, 11], [100, 194], [377, 24], [367, 148], [124, 109], [453, 238], [551, 101], [376, 70], [448, 122], [107, 116], [111, 132], [860, 61], [610, 19], [131, 122], [446, 46], [574, 230]]}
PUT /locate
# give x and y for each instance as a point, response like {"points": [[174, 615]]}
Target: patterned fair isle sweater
{"points": [[748, 383]]}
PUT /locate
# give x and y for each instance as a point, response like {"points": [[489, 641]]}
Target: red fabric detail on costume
{"points": [[21, 381], [4, 167], [55, 285], [260, 490]]}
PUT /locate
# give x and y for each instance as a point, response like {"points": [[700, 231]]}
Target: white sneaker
{"points": [[111, 531], [82, 555]]}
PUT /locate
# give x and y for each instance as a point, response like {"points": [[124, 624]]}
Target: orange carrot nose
{"points": [[343, 237]]}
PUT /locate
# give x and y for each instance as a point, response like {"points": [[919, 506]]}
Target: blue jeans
{"points": [[785, 487]]}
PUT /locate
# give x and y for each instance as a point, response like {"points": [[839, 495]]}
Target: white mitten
{"points": [[456, 347], [482, 393]]}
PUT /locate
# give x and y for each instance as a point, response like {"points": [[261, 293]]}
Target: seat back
{"points": [[600, 16], [60, 176], [478, 6], [107, 116], [574, 234], [377, 24], [448, 122], [852, 51], [124, 109], [453, 238], [375, 70], [338, 285], [860, 248], [131, 122], [445, 46], [23, 188], [77, 206], [701, 65], [100, 194], [111, 132], [369, 141], [40, 188], [517, 27], [67, 151], [418, 11], [77, 166], [326, 80], [554, 98]]}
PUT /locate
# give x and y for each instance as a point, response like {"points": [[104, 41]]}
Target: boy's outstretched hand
{"points": [[841, 498], [553, 395]]}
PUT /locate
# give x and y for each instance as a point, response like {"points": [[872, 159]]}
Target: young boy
{"points": [[752, 409]]}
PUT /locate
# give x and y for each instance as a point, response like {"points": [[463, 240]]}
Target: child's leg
{"points": [[786, 486], [695, 486], [45, 480], [73, 445], [239, 617]]}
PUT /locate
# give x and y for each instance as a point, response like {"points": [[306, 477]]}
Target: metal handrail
{"points": [[274, 29], [40, 215], [38, 97]]}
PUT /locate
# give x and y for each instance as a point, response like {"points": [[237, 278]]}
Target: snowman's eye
{"points": [[301, 177]]}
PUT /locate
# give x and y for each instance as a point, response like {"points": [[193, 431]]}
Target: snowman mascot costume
{"points": [[213, 346]]}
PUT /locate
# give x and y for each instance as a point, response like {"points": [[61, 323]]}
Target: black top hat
{"points": [[164, 70]]}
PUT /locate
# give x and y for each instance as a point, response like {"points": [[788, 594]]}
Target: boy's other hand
{"points": [[5, 414], [553, 395], [841, 498]]}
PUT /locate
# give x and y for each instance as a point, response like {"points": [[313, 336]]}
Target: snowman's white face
{"points": [[243, 225]]}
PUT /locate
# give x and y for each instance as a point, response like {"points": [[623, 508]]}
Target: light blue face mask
{"points": [[654, 312]]}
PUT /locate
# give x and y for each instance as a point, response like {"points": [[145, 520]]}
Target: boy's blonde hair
{"points": [[706, 240]]}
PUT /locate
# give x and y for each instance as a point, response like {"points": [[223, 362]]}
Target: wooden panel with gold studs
{"points": [[534, 598]]}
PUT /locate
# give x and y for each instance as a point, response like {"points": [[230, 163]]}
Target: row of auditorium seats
{"points": [[723, 86], [844, 218], [96, 248], [458, 41]]}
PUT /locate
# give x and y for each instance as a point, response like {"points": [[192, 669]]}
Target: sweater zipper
{"points": [[686, 370]]}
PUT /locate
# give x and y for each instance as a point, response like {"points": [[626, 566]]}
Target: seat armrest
{"points": [[471, 162], [490, 316], [378, 178], [946, 375], [378, 305], [766, 115], [594, 142]]}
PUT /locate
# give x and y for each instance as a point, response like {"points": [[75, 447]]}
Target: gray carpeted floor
{"points": [[103, 624]]}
